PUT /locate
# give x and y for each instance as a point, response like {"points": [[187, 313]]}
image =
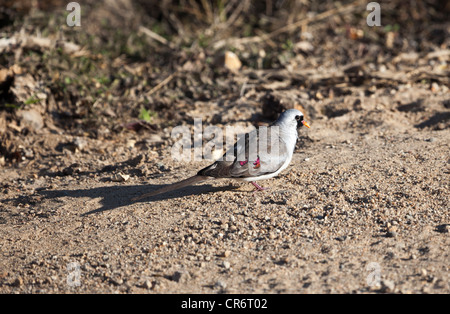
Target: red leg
{"points": [[258, 187]]}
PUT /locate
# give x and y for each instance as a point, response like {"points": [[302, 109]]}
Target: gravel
{"points": [[383, 201]]}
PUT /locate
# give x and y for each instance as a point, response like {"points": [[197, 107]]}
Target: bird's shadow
{"points": [[113, 197]]}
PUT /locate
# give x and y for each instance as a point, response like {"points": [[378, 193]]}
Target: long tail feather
{"points": [[174, 186]]}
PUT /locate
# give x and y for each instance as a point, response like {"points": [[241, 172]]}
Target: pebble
{"points": [[226, 264], [434, 87], [392, 230], [119, 177], [148, 284], [341, 238], [80, 143], [231, 61], [391, 234], [220, 284], [225, 253], [387, 286], [32, 118], [117, 281], [18, 282], [130, 143], [181, 276]]}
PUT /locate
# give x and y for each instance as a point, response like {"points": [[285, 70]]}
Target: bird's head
{"points": [[293, 117]]}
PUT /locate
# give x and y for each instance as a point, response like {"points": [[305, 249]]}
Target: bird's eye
{"points": [[297, 118]]}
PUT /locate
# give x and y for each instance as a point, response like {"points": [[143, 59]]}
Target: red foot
{"points": [[258, 187]]}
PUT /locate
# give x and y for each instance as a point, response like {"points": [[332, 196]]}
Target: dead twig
{"points": [[208, 10], [290, 27], [162, 83], [155, 36], [29, 42]]}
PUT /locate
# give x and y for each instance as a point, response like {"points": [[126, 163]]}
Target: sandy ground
{"points": [[363, 208]]}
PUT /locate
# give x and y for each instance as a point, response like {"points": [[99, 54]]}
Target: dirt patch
{"points": [[363, 207]]}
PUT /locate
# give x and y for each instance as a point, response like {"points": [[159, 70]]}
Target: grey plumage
{"points": [[247, 166], [256, 156]]}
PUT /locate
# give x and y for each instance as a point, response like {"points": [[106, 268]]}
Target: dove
{"points": [[260, 154]]}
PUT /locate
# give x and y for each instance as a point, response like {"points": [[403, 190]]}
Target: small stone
{"points": [[31, 118], [181, 276], [304, 46], [285, 260], [80, 143], [119, 177], [116, 281], [225, 253], [391, 234], [341, 238], [434, 87], [231, 61], [148, 284], [226, 264], [130, 143], [220, 284], [387, 286], [18, 282]]}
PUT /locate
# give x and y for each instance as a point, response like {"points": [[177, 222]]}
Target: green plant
{"points": [[146, 115], [31, 100]]}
